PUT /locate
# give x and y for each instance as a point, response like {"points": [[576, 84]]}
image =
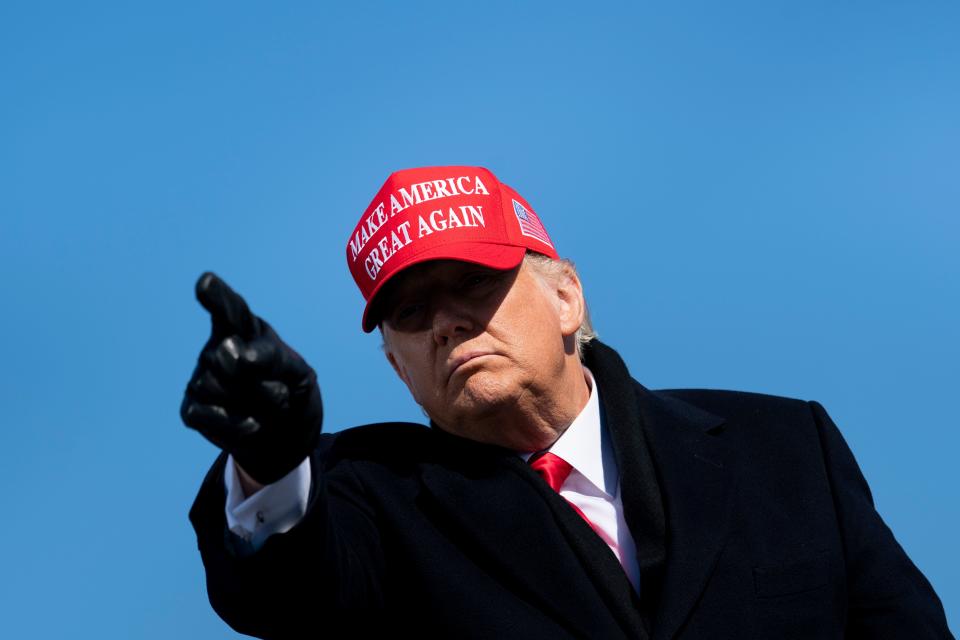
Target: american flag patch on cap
{"points": [[530, 224]]}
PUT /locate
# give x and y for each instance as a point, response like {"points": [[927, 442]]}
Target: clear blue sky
{"points": [[760, 195]]}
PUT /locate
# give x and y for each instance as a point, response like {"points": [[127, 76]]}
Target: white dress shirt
{"points": [[593, 486]]}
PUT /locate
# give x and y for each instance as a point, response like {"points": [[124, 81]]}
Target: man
{"points": [[552, 497]]}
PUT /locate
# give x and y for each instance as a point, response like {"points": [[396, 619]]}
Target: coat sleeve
{"points": [[324, 573], [887, 596]]}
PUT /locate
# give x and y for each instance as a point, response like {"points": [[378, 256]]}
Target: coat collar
{"points": [[672, 460]]}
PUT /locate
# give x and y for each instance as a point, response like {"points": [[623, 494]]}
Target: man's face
{"points": [[479, 347]]}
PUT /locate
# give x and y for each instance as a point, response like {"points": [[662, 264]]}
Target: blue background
{"points": [[760, 196]]}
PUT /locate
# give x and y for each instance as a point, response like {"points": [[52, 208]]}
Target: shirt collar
{"points": [[585, 444]]}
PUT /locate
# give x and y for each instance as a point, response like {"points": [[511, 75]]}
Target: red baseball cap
{"points": [[436, 213]]}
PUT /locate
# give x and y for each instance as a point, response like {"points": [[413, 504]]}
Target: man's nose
{"points": [[451, 319]]}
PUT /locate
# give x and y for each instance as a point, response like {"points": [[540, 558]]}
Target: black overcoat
{"points": [[751, 518]]}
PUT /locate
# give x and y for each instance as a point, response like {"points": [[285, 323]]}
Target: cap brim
{"points": [[495, 256]]}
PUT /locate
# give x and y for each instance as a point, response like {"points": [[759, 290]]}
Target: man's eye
{"points": [[475, 280], [407, 311]]}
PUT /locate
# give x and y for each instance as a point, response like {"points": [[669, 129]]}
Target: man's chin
{"points": [[484, 388], [480, 404]]}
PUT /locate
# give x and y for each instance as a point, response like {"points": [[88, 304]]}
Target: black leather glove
{"points": [[251, 394]]}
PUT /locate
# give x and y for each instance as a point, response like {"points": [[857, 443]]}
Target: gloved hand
{"points": [[251, 394]]}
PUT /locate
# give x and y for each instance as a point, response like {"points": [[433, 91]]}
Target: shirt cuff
{"points": [[275, 508]]}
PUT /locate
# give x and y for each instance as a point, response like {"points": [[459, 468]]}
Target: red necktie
{"points": [[554, 470]]}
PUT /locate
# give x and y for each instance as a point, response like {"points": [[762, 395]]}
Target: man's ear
{"points": [[571, 304]]}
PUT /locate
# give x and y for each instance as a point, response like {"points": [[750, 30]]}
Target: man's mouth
{"points": [[464, 358]]}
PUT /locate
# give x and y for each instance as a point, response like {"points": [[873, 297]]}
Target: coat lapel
{"points": [[600, 563], [675, 488], [689, 457], [498, 509], [639, 488]]}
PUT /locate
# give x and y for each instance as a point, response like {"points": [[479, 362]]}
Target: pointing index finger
{"points": [[228, 310]]}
